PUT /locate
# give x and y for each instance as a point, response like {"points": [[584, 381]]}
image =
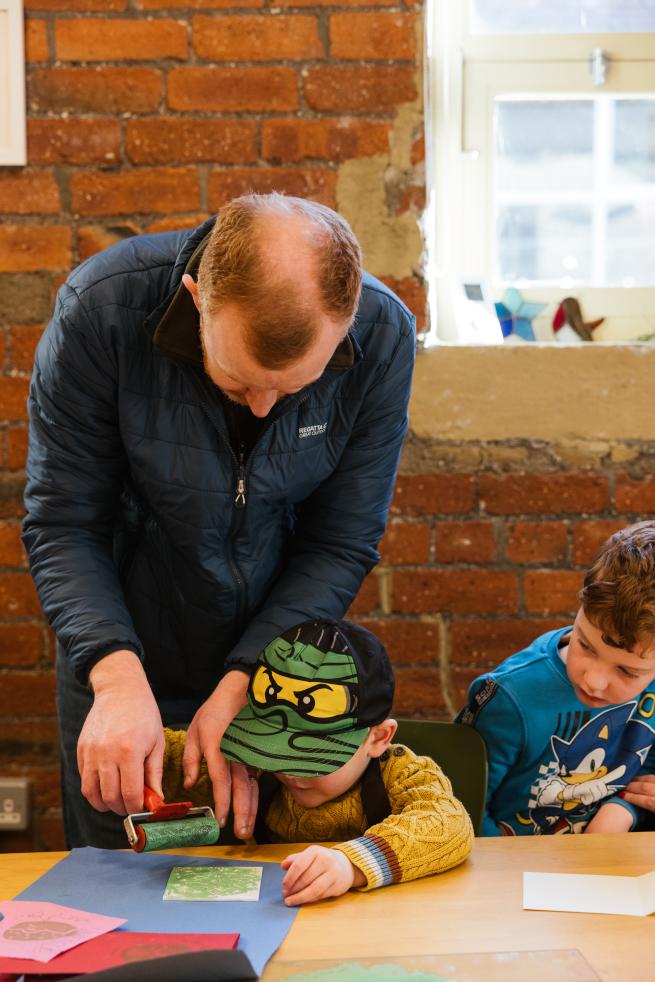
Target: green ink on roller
{"points": [[186, 832]]}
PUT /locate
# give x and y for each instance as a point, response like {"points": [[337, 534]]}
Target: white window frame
{"points": [[465, 73], [13, 143]]}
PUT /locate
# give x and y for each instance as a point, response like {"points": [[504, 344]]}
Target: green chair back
{"points": [[459, 751]]}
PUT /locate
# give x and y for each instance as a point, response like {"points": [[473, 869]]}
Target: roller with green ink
{"points": [[173, 826]]}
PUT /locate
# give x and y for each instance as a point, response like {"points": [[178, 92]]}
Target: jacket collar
{"points": [[177, 332]]}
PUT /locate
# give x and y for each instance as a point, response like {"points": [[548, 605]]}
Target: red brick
{"points": [[433, 494], [588, 537], [175, 140], [368, 598], [323, 139], [372, 89], [552, 591], [635, 495], [70, 5], [373, 35], [460, 680], [418, 693], [155, 189], [25, 248], [28, 738], [13, 398], [95, 90], [537, 542], [316, 183], [457, 591], [417, 153], [331, 3], [94, 238], [3, 352], [406, 542], [196, 4], [20, 644], [535, 494], [100, 39], [176, 222], [411, 197], [18, 596], [232, 89], [27, 694], [24, 340], [11, 548], [36, 41], [465, 542], [408, 642], [256, 38], [486, 643], [413, 293], [28, 193], [16, 445], [73, 141]]}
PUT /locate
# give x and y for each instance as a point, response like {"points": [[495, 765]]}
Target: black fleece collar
{"points": [[178, 331]]}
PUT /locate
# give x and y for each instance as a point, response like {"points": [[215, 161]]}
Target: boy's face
{"points": [[310, 792], [602, 675]]}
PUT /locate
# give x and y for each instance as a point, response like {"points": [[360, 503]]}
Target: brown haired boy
{"points": [[569, 721]]}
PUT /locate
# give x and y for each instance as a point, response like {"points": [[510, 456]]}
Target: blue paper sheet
{"points": [[131, 885]]}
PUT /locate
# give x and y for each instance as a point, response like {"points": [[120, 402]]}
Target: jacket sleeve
{"points": [[494, 714], [339, 526], [428, 831], [74, 470]]}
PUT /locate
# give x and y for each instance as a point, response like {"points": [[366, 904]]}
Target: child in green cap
{"points": [[316, 732]]}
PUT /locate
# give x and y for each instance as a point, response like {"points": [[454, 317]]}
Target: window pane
{"points": [[574, 190], [544, 144], [634, 141], [561, 16], [544, 243], [630, 254]]}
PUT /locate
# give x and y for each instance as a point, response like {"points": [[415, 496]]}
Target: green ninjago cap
{"points": [[315, 692]]}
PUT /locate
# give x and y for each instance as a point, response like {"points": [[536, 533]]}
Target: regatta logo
{"points": [[315, 430]]}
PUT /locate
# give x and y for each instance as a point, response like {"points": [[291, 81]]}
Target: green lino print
{"points": [[214, 883]]}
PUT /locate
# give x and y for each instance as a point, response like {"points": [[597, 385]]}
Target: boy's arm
{"points": [[428, 831], [497, 719], [611, 817]]}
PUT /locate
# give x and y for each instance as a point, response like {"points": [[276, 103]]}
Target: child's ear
{"points": [[380, 737]]}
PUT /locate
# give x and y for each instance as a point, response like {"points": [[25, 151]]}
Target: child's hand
{"points": [[316, 873]]}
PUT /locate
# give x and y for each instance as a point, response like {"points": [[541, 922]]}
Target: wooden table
{"points": [[474, 908]]}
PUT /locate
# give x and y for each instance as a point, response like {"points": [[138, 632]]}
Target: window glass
{"points": [[562, 16], [574, 191]]}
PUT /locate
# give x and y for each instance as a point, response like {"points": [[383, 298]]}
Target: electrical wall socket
{"points": [[14, 803]]}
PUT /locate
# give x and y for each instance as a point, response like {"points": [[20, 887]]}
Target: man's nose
{"points": [[261, 401]]}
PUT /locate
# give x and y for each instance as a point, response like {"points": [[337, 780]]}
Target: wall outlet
{"points": [[14, 803]]}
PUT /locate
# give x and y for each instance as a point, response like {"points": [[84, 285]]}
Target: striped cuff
{"points": [[375, 858]]}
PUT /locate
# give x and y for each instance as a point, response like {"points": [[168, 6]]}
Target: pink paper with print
{"points": [[41, 930]]}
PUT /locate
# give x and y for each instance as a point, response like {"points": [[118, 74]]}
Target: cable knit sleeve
{"points": [[173, 777], [428, 831]]}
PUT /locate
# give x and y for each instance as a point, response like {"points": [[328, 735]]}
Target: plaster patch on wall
{"points": [[392, 244]]}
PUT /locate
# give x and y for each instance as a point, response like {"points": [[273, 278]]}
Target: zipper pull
{"points": [[240, 499]]}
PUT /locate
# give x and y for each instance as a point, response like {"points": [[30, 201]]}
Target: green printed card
{"points": [[214, 883]]}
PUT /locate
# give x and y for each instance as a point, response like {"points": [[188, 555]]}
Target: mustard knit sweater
{"points": [[428, 830]]}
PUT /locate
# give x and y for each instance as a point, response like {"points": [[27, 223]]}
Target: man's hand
{"points": [[122, 740], [204, 740], [317, 873], [641, 792]]}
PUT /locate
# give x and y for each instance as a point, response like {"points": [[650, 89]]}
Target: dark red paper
{"points": [[118, 948]]}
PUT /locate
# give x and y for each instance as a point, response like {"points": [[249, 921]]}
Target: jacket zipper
{"points": [[240, 499]]}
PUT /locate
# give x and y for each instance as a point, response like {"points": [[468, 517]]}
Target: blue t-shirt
{"points": [[552, 760]]}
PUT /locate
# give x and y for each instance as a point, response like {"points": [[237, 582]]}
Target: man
{"points": [[216, 418]]}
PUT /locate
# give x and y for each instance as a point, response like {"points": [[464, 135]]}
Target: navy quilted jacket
{"points": [[136, 534]]}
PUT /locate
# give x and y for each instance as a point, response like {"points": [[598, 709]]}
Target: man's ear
{"points": [[192, 287], [380, 737]]}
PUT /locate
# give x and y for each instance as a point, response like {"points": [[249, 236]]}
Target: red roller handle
{"points": [[160, 810]]}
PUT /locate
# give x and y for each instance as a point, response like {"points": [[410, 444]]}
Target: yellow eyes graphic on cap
{"points": [[313, 700]]}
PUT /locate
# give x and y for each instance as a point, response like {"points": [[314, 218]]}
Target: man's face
{"points": [[239, 375], [602, 675]]}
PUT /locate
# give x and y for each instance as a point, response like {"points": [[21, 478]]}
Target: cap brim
{"points": [[270, 744]]}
